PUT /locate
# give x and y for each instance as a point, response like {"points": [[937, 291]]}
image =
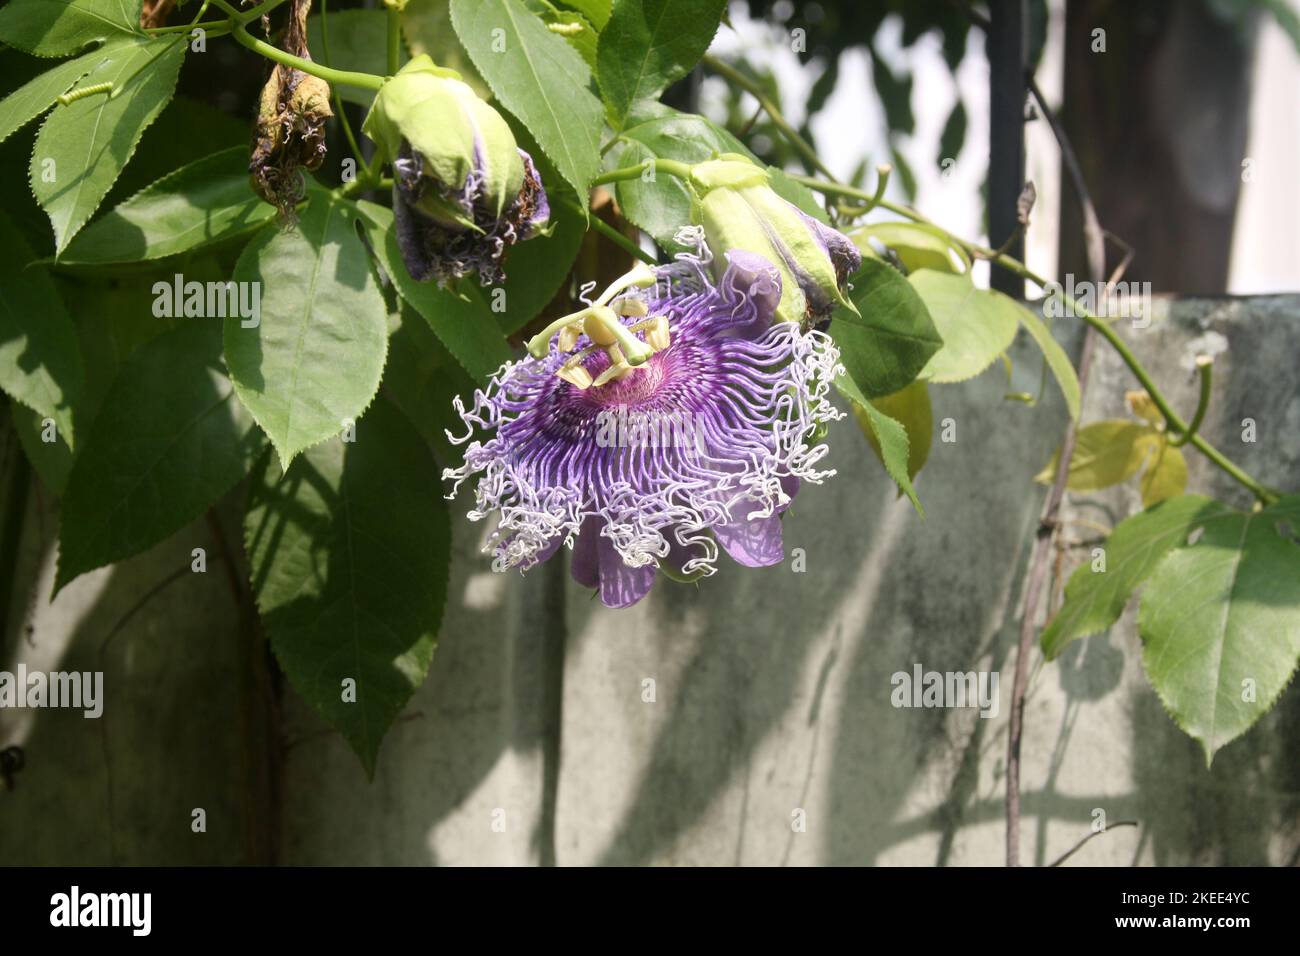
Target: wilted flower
{"points": [[463, 191], [289, 134], [666, 344], [738, 209]]}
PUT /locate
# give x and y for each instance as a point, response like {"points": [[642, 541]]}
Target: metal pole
{"points": [[1007, 46]]}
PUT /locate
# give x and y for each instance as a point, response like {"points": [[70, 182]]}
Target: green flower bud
{"points": [[736, 205], [463, 189]]}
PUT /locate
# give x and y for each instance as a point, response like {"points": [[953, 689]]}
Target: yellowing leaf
{"points": [[1141, 405], [1105, 453], [1166, 472], [916, 246], [910, 407]]}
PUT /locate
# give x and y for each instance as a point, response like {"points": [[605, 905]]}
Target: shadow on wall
{"points": [[773, 690]]}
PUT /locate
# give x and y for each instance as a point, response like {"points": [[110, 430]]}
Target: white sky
{"points": [[1266, 248]]}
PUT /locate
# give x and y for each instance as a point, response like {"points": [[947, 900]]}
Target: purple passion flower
{"points": [[670, 417], [463, 191]]}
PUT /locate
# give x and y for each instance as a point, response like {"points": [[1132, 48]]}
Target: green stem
{"points": [[622, 241], [394, 40], [366, 81], [670, 166], [730, 73], [1175, 425], [1204, 365], [213, 28], [339, 111], [358, 185]]}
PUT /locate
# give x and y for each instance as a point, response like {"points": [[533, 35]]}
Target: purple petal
{"points": [[754, 543], [549, 551], [790, 485], [620, 585], [750, 277], [585, 564], [844, 255]]}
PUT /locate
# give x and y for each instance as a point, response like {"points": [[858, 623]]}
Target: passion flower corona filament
{"points": [[671, 416]]}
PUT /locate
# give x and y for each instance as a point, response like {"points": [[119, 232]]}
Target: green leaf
{"points": [[903, 169], [426, 25], [112, 319], [422, 379], [887, 436], [570, 24], [348, 555], [909, 407], [60, 27], [648, 45], [1105, 453], [1220, 627], [83, 146], [1097, 592], [916, 246], [358, 43], [889, 342], [465, 324], [539, 78], [954, 132], [1057, 360], [895, 94], [169, 440], [597, 11], [197, 205], [40, 364], [662, 206], [976, 325], [37, 95], [313, 362], [1166, 473]]}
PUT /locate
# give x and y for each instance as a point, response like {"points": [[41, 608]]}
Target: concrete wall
{"points": [[772, 688]]}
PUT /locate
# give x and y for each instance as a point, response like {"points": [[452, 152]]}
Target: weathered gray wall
{"points": [[772, 688]]}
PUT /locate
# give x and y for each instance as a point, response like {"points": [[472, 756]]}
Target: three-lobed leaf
{"points": [[349, 554], [311, 363]]}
